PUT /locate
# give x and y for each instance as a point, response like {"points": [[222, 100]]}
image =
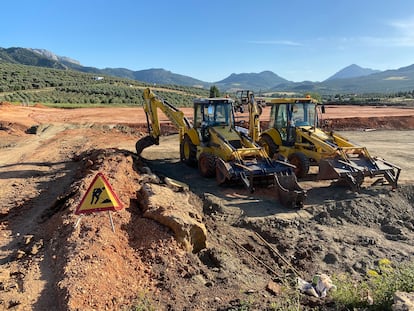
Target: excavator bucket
{"points": [[290, 192], [353, 170], [145, 142]]}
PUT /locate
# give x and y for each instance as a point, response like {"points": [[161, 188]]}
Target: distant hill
{"points": [[71, 88], [52, 56], [156, 76], [29, 57], [351, 79], [255, 81], [389, 81], [352, 71]]}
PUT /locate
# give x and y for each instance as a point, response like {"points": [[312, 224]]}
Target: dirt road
{"points": [[46, 262]]}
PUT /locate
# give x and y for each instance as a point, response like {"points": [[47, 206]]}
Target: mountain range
{"points": [[351, 79]]}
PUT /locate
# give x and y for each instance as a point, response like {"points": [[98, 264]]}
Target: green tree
{"points": [[316, 96], [214, 92]]}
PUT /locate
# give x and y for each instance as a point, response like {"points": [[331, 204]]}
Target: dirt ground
{"points": [[52, 259]]}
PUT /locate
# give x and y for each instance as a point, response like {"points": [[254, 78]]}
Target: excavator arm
{"points": [[247, 98], [152, 105]]}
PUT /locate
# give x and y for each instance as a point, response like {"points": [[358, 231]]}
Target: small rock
{"points": [[274, 288], [28, 238], [149, 178], [36, 247], [146, 170], [403, 301], [13, 303], [330, 258], [20, 254], [34, 250], [390, 229]]}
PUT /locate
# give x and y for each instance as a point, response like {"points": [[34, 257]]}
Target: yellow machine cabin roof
{"points": [[290, 100]]}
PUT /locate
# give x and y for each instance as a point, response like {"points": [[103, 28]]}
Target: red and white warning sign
{"points": [[99, 197]]}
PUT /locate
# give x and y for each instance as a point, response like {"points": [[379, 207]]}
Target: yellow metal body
{"points": [[151, 105], [293, 133]]}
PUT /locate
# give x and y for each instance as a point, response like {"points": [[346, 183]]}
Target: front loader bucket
{"points": [[291, 194], [355, 169], [278, 174]]}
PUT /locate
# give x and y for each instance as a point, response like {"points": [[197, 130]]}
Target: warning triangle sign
{"points": [[99, 197]]}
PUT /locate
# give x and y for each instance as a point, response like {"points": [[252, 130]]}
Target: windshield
{"points": [[217, 113], [302, 114], [293, 114]]}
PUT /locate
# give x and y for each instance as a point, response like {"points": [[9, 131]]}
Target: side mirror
{"points": [[323, 108]]}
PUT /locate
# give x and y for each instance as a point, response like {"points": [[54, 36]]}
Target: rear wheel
{"points": [[207, 165], [301, 162], [269, 145], [188, 151]]}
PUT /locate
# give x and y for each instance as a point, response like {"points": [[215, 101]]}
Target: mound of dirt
{"points": [[141, 262], [361, 123], [39, 105], [344, 234], [94, 260], [12, 128]]}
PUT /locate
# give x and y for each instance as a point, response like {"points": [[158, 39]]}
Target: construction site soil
{"points": [[53, 259]]}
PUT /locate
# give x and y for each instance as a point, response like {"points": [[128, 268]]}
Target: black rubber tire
{"points": [[269, 145], [220, 177], [207, 165], [188, 152], [144, 143], [301, 162]]}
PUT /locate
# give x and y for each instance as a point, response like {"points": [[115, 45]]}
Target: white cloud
{"points": [[399, 40], [404, 29], [276, 42], [405, 25]]}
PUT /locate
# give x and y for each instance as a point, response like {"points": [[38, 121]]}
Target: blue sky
{"points": [[209, 40]]}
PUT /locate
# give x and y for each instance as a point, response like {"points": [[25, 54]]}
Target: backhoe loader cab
{"points": [[286, 117], [213, 112]]}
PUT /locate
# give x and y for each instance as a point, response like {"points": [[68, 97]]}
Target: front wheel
{"points": [[207, 165], [301, 162], [269, 145], [221, 178]]}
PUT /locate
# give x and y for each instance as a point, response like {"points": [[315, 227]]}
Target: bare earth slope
{"points": [[52, 259]]}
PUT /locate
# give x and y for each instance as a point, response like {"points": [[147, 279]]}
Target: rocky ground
{"points": [[52, 259]]}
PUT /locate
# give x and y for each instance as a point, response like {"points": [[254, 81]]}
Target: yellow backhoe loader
{"points": [[212, 143], [293, 133]]}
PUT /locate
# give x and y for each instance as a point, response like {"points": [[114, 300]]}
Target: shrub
{"points": [[377, 290]]}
